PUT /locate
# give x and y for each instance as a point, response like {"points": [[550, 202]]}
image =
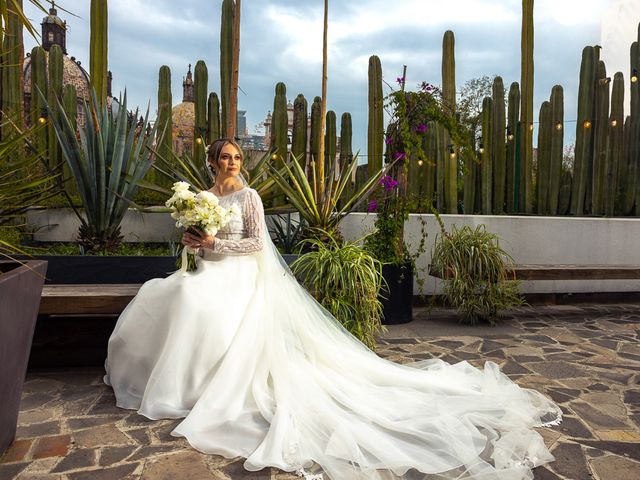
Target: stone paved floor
{"points": [[587, 358]]}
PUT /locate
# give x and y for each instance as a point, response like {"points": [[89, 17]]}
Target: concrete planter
{"points": [[20, 291]]}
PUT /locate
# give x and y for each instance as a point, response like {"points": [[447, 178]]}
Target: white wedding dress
{"points": [[259, 369]]}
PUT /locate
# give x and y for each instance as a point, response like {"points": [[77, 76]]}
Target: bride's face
{"points": [[229, 162]]}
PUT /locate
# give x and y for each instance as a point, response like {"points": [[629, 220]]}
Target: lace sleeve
{"points": [[253, 217]]}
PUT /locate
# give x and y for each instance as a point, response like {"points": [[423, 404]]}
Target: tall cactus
{"points": [[627, 184], [200, 98], [634, 66], [429, 146], [526, 109], [498, 147], [56, 70], [70, 105], [544, 158], [316, 120], [299, 133], [165, 124], [584, 131], [98, 49], [213, 118], [469, 192], [601, 132], [346, 135], [375, 130], [330, 140], [440, 167], [487, 156], [557, 147], [449, 72], [12, 76], [226, 60], [614, 156], [38, 82], [280, 124], [512, 123], [450, 157]]}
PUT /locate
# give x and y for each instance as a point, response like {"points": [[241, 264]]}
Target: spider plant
{"points": [[320, 208], [107, 157], [287, 232], [475, 270], [346, 280]]}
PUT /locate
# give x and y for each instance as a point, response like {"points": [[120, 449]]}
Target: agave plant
{"points": [[107, 157], [346, 280], [287, 232], [323, 208]]}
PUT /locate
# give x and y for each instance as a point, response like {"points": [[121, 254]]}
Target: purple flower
{"points": [[421, 128], [372, 207], [400, 80], [399, 155], [426, 87], [388, 182], [388, 140]]}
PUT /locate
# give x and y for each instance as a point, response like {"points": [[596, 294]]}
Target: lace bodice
{"points": [[243, 234]]}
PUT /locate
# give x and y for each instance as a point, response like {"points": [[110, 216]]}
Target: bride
{"points": [[259, 369]]}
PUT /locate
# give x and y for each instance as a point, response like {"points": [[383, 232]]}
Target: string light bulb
{"points": [[481, 149], [586, 124], [558, 126], [42, 120], [614, 123], [420, 162], [509, 135], [531, 127], [199, 140], [634, 76], [452, 152], [274, 157]]}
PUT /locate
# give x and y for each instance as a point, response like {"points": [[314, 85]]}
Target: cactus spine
{"points": [[375, 130], [544, 158], [557, 144], [165, 124], [280, 123], [526, 109], [584, 136], [226, 61], [299, 134], [213, 118], [498, 147], [487, 155], [330, 140], [54, 93], [98, 49], [512, 122], [200, 97]]}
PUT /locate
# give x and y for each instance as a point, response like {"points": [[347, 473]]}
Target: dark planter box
{"points": [[396, 308], [20, 290]]}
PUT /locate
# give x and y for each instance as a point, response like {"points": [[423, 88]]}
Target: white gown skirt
{"points": [[260, 370]]}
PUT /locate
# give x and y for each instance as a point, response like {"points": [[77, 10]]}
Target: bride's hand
{"points": [[202, 240]]}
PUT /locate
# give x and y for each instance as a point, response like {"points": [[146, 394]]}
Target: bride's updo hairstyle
{"points": [[215, 149]]}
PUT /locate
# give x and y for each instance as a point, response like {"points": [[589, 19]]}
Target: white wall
{"points": [[529, 239]]}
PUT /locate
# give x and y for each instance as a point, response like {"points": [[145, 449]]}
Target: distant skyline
{"points": [[281, 40]]}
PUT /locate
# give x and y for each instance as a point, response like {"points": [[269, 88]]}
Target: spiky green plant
{"points": [[200, 97], [486, 157], [226, 60], [498, 146], [13, 21], [449, 72], [299, 133], [615, 144], [98, 49], [38, 82], [280, 124], [346, 148], [213, 118], [107, 160], [557, 144], [513, 115], [164, 122], [600, 139], [375, 128], [476, 272], [316, 120], [56, 68], [543, 177], [526, 108], [346, 280], [330, 140]]}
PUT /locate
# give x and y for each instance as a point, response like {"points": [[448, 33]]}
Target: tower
{"points": [[54, 30]]}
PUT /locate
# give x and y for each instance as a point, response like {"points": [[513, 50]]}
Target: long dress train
{"points": [[259, 369]]}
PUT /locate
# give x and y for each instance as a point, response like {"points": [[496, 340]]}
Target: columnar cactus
{"points": [[165, 124], [601, 131], [469, 191], [316, 120], [12, 76], [544, 158], [38, 82], [70, 105], [200, 97], [213, 118], [346, 148], [226, 60], [487, 155], [498, 146], [584, 131], [615, 128], [512, 124], [330, 140], [299, 133], [98, 49], [429, 147], [634, 65], [279, 126], [627, 183], [440, 167], [56, 69], [449, 72], [557, 147], [375, 130], [526, 109], [450, 158]]}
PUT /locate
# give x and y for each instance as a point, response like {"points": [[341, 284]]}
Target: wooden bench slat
{"points": [[80, 299]]}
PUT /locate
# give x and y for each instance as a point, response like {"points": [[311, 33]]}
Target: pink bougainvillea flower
{"points": [[400, 80], [388, 140], [421, 128], [388, 182], [372, 207], [426, 87], [399, 155]]}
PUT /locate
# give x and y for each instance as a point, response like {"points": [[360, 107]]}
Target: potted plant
{"points": [[475, 270]]}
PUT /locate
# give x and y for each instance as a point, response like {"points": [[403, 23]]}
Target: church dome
{"points": [[73, 74], [183, 118]]}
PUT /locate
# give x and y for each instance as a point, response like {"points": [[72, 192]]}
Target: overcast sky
{"points": [[281, 40]]}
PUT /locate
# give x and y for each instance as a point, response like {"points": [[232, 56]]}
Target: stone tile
{"points": [[632, 397], [42, 385], [511, 368], [177, 465], [40, 415], [115, 473], [76, 459], [624, 449], [573, 427], [111, 455], [236, 470], [598, 387], [570, 461], [613, 467], [103, 435], [38, 429], [557, 370], [139, 435], [541, 473], [56, 446], [88, 422], [11, 470], [105, 405], [149, 451], [35, 400], [619, 435], [595, 417], [17, 451]]}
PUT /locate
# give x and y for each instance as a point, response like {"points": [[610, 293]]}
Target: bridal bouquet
{"points": [[200, 210]]}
